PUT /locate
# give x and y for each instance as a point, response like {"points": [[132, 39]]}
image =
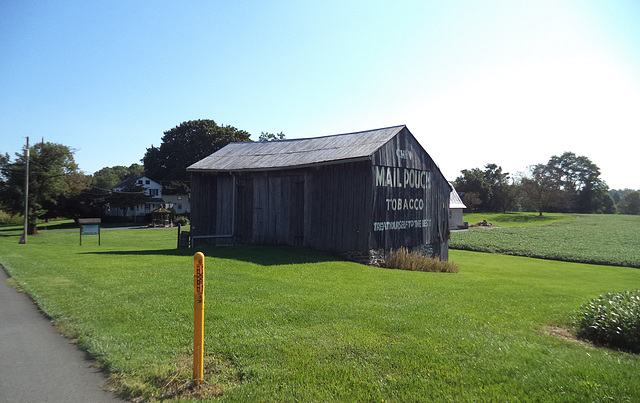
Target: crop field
{"points": [[283, 324], [516, 219], [597, 239]]}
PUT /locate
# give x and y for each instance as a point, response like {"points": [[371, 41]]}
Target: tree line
{"points": [[567, 183], [58, 188]]}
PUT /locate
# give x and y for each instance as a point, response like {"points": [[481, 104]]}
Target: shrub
{"points": [[404, 260], [6, 219], [181, 220], [612, 320]]}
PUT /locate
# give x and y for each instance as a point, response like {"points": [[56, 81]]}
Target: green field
{"points": [[516, 219], [287, 325], [597, 239]]}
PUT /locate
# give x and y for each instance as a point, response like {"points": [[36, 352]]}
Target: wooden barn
{"points": [[357, 194]]}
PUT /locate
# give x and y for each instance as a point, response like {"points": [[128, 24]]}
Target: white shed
{"points": [[456, 206]]}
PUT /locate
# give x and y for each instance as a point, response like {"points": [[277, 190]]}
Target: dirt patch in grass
{"points": [[564, 333], [220, 376]]}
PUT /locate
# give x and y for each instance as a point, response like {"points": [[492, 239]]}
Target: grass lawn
{"points": [[598, 239], [285, 324]]}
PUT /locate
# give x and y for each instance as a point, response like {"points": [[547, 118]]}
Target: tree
{"points": [[594, 198], [487, 190], [264, 136], [52, 172], [502, 194], [568, 183], [579, 179], [88, 203], [186, 144], [77, 202], [108, 177], [618, 194], [472, 200], [127, 198], [471, 182], [541, 189], [630, 203]]}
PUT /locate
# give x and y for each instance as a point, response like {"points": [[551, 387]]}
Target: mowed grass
{"points": [[291, 325], [597, 239]]}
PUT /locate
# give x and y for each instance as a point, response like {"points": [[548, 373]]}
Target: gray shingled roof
{"points": [[296, 152]]}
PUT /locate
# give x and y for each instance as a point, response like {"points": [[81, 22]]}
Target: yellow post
{"points": [[198, 318]]}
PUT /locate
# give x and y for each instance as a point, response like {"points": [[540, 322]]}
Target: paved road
{"points": [[37, 364]]}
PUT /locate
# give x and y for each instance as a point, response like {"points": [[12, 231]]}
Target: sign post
{"points": [[89, 226], [198, 318]]}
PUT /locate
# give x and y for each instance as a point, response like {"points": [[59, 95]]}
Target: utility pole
{"points": [[23, 239]]}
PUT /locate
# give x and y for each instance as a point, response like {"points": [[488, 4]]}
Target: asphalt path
{"points": [[37, 364]]}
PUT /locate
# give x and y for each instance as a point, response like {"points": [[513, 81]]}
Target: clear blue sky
{"points": [[477, 82]]}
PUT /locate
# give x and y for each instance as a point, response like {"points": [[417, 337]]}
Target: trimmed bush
{"points": [[404, 260], [612, 320], [181, 220]]}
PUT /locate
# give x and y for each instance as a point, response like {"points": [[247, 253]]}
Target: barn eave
{"points": [[278, 168]]}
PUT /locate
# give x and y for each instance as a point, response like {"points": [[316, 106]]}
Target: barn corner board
{"points": [[356, 194]]}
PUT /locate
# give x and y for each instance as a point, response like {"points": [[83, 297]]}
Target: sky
{"points": [[508, 82]]}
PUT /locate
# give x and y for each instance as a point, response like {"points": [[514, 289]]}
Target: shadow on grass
{"points": [[53, 226], [522, 218], [12, 228], [50, 226], [258, 254]]}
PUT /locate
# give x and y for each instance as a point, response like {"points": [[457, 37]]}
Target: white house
{"points": [[180, 202], [456, 206], [151, 188], [156, 198]]}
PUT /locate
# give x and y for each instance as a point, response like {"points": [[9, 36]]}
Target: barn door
{"points": [[278, 210]]}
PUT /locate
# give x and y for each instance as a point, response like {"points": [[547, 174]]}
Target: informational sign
{"points": [[90, 229], [89, 226]]}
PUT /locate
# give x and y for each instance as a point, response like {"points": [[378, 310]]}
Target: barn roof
{"points": [[265, 155]]}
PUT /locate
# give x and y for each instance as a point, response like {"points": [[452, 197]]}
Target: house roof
{"points": [[126, 183], [454, 200], [266, 155], [132, 181]]}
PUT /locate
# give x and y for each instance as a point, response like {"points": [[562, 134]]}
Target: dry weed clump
{"points": [[176, 382], [404, 260]]}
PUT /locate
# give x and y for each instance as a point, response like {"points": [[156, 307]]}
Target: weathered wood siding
{"points": [[396, 198], [338, 216], [410, 199], [212, 204], [270, 208], [325, 207]]}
